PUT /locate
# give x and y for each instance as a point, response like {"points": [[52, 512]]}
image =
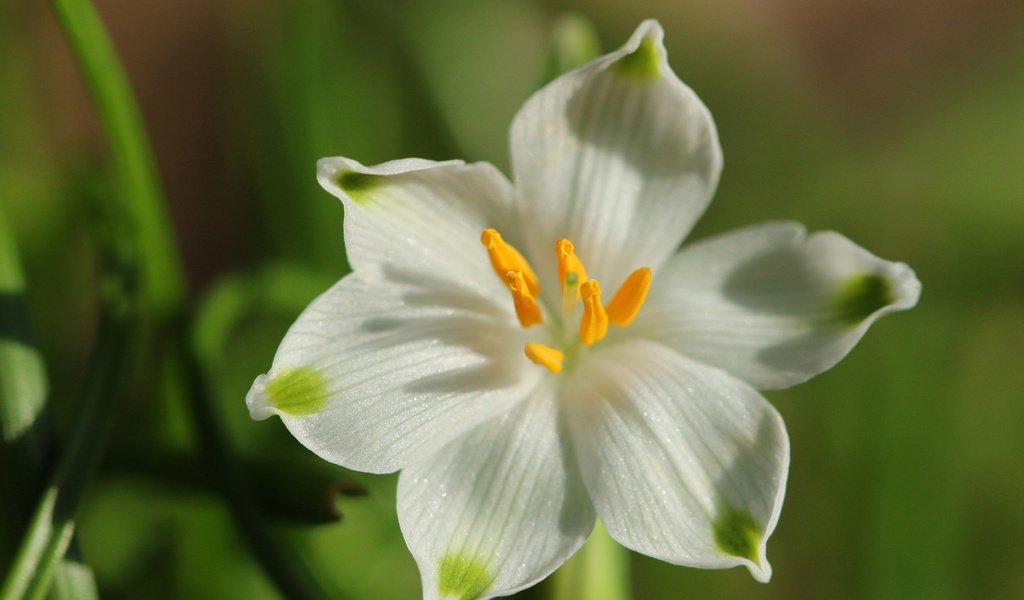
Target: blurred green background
{"points": [[898, 123]]}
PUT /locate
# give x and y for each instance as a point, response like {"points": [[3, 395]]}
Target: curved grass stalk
{"points": [[135, 174], [162, 296]]}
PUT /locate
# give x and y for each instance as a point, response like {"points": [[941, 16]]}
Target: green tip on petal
{"points": [[737, 534], [463, 577], [297, 391], [861, 295], [642, 63], [357, 185]]}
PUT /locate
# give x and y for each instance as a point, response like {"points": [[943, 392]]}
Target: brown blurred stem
{"points": [[140, 197]]}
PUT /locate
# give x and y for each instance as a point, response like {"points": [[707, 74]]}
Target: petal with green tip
{"points": [[297, 391], [497, 509], [772, 304], [463, 576], [861, 295], [737, 533], [644, 62], [379, 371], [420, 215], [684, 462], [618, 156], [360, 186]]}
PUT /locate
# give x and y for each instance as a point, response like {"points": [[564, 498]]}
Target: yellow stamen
{"points": [[570, 292], [505, 258], [629, 298], [594, 323], [568, 262], [545, 356], [526, 307]]}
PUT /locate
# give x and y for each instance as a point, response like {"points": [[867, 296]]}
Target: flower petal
{"points": [[498, 509], [771, 304], [421, 215], [683, 462], [618, 156], [379, 371]]}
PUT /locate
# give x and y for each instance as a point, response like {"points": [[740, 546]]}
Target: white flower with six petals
{"points": [[516, 402]]}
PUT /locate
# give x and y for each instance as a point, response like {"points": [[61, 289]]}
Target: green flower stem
{"points": [[134, 172], [290, 576], [52, 524], [599, 571]]}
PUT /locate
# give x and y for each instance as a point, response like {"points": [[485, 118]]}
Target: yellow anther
{"points": [[594, 323], [545, 356], [568, 262], [505, 258], [526, 307], [629, 298]]}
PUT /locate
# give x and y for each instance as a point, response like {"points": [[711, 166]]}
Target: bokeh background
{"points": [[897, 122]]}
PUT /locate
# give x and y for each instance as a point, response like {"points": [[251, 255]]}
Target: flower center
{"points": [[510, 265]]}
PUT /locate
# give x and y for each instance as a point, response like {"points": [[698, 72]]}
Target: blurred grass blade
{"points": [[135, 174], [163, 289], [915, 515], [107, 373], [476, 79], [24, 423], [23, 384], [316, 81], [73, 581], [573, 42]]}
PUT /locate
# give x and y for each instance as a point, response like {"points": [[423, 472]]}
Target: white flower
{"points": [[516, 402]]}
